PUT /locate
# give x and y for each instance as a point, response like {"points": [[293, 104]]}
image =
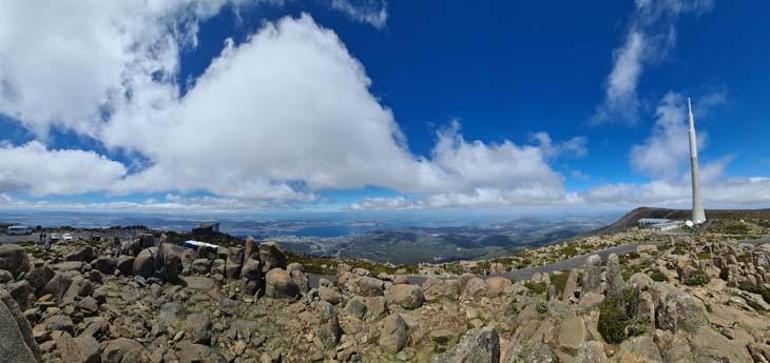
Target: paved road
{"points": [[572, 263], [526, 273], [35, 236]]}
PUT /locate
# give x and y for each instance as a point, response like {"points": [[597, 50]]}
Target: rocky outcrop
{"points": [[279, 285], [82, 254], [123, 350], [271, 256], [477, 345], [16, 341], [13, 259], [329, 330], [405, 296], [436, 289], [144, 263], [393, 334], [592, 274], [198, 328]]}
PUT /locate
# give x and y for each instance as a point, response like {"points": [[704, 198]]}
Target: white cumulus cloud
{"points": [[34, 169]]}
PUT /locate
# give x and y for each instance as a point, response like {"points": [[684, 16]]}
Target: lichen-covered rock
{"points": [[125, 264], [477, 345], [198, 328], [436, 289], [329, 295], [475, 288], [329, 330], [58, 286], [22, 292], [144, 263], [356, 307], [591, 352], [405, 296], [279, 285], [188, 352], [123, 350], [393, 334], [640, 349], [368, 286], [16, 341], [301, 280], [498, 285], [82, 349], [13, 259], [83, 254], [105, 264], [572, 332], [271, 256], [592, 274], [614, 277], [676, 309], [234, 262], [201, 266], [534, 352], [568, 293], [38, 276]]}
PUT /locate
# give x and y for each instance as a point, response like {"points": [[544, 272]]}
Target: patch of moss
{"points": [[697, 278], [618, 319], [536, 287]]}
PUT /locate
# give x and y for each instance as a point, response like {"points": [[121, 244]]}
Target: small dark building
{"points": [[206, 229]]}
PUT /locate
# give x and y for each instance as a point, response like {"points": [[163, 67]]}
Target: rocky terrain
{"points": [[677, 298]]}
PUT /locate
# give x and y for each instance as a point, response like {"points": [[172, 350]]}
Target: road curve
{"points": [[526, 273]]}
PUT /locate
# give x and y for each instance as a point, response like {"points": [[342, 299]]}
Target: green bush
{"points": [[542, 308], [756, 289], [559, 281], [618, 319], [657, 275], [679, 250], [536, 287], [697, 278]]}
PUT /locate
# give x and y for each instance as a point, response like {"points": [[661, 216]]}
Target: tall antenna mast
{"points": [[698, 214]]}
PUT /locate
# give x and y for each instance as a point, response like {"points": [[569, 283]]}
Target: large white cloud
{"points": [[34, 169], [292, 105], [70, 63], [279, 117], [651, 35]]}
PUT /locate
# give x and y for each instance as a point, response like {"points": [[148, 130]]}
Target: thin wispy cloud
{"points": [[372, 12], [651, 34]]}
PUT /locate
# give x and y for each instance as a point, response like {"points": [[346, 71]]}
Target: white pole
{"points": [[698, 214]]}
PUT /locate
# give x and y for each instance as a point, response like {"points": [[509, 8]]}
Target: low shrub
{"points": [[536, 287], [657, 275], [542, 308], [559, 281], [697, 278], [618, 319]]}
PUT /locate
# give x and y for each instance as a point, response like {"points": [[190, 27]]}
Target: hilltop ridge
{"points": [[630, 219]]}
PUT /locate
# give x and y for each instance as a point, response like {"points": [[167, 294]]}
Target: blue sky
{"points": [[234, 106]]}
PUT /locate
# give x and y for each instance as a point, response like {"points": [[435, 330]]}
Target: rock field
{"points": [[691, 299]]}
